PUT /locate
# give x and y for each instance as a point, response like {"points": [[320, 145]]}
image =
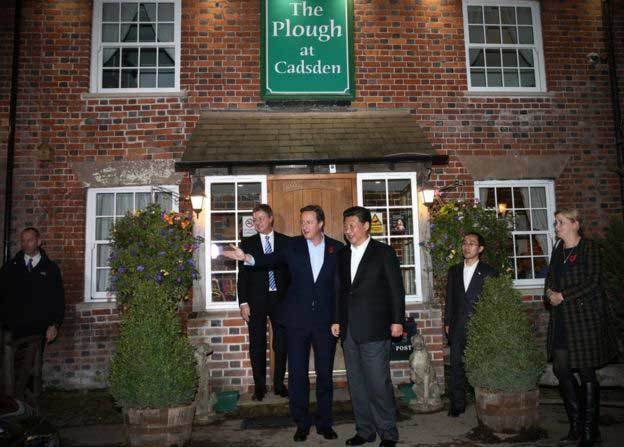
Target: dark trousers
{"points": [[26, 350], [299, 341], [370, 386], [457, 377], [257, 327]]}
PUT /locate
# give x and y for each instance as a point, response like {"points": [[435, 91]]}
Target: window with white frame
{"points": [[230, 204], [504, 50], [136, 46], [531, 203], [104, 207], [392, 199]]}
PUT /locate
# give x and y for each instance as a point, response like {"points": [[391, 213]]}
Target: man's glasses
{"points": [[470, 244]]}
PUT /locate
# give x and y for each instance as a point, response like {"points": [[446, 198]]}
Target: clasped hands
{"points": [[555, 298], [396, 330]]}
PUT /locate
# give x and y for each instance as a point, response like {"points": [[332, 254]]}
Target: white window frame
{"points": [[411, 176], [550, 211], [208, 181], [90, 286], [97, 49], [537, 47]]}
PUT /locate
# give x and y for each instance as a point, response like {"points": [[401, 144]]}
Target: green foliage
{"points": [[450, 222], [151, 245], [501, 353], [154, 365]]}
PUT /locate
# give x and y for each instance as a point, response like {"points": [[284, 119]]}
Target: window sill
{"points": [[103, 95], [91, 305], [511, 94]]}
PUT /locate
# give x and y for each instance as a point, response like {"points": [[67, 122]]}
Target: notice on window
{"points": [[377, 226], [248, 226]]}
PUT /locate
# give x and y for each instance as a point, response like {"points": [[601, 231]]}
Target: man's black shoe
{"points": [[387, 443], [358, 440], [328, 433], [455, 412], [258, 395], [280, 391], [300, 435]]}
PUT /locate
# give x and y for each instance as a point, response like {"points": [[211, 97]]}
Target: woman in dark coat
{"points": [[578, 339]]}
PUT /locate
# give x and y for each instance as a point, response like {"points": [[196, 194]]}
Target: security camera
{"points": [[593, 59]]}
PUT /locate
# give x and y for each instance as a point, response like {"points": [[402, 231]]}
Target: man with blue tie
{"points": [[308, 307]]}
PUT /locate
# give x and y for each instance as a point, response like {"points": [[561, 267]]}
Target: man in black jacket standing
{"points": [[463, 288], [33, 302], [369, 310], [261, 295]]}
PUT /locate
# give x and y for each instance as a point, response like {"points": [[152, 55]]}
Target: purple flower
{"points": [[158, 277], [194, 275], [140, 268], [163, 232], [191, 262], [113, 278], [121, 269], [133, 252], [180, 267], [162, 253], [179, 280]]}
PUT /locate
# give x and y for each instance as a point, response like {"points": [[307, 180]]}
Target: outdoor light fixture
{"points": [[428, 195], [197, 195], [431, 194]]}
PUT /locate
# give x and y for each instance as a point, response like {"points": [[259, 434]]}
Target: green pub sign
{"points": [[307, 49]]}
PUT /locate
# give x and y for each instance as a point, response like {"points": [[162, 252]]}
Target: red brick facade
{"points": [[409, 54]]}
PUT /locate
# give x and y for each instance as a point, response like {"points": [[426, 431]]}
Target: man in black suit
{"points": [[463, 288], [370, 309], [260, 295]]}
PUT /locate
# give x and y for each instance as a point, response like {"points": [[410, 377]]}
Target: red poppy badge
{"points": [[330, 249]]}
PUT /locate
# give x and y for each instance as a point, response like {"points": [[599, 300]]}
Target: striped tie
{"points": [[29, 266], [268, 249]]}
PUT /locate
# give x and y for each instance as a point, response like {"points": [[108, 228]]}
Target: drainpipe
{"points": [[608, 12], [8, 198]]}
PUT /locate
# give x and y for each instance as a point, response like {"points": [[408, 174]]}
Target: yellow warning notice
{"points": [[377, 226]]}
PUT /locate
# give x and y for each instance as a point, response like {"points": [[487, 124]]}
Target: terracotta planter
{"points": [[507, 412], [161, 427]]}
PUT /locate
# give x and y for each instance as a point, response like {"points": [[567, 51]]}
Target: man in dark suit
{"points": [[370, 309], [308, 308], [260, 295], [463, 288]]}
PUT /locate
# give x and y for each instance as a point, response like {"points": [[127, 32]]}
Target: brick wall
{"points": [[409, 55]]}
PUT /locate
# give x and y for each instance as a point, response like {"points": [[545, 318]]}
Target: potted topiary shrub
{"points": [[153, 371], [503, 361]]}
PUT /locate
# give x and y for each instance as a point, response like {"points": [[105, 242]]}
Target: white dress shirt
{"points": [[356, 256], [317, 256], [468, 273], [35, 259]]}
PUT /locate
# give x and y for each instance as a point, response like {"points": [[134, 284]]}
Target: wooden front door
{"points": [[333, 192]]}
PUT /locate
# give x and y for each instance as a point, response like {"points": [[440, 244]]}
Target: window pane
{"points": [[103, 280], [504, 196], [477, 58], [475, 14], [142, 199], [164, 200], [249, 194], [540, 244], [510, 34], [540, 220], [148, 57], [491, 14], [110, 57], [374, 192], [103, 227], [128, 33], [110, 79], [477, 77], [508, 15], [223, 287], [130, 57], [222, 196], [511, 78], [524, 268], [222, 263], [493, 58], [538, 197], [487, 198], [223, 227], [124, 202], [147, 78], [129, 78], [524, 16], [525, 35], [165, 12], [409, 280], [401, 223], [522, 220], [147, 12], [147, 33], [523, 247], [492, 34], [129, 12], [540, 266], [494, 78], [166, 57], [527, 78], [110, 12], [525, 58], [104, 204], [166, 78], [404, 249], [476, 34], [521, 197], [400, 192], [165, 32], [379, 222], [110, 32], [103, 252], [510, 58]]}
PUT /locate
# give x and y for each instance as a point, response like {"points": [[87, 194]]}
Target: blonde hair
{"points": [[573, 215]]}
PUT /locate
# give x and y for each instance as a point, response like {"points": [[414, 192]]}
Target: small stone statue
{"points": [[423, 376], [205, 398]]}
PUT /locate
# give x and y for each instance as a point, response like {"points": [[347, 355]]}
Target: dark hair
{"points": [[266, 209], [34, 230], [480, 238], [320, 215], [363, 214]]}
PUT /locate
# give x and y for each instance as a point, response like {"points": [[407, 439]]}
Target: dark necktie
{"points": [[268, 249], [29, 266]]}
